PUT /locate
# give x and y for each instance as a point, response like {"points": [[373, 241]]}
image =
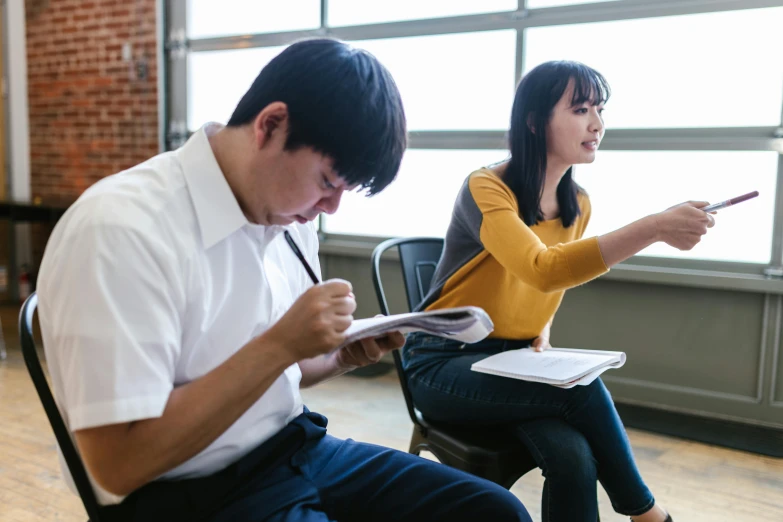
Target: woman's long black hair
{"points": [[536, 96]]}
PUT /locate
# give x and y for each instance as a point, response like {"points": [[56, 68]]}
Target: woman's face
{"points": [[574, 131]]}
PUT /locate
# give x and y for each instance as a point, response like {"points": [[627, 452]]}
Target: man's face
{"points": [[296, 185], [304, 185], [285, 186]]}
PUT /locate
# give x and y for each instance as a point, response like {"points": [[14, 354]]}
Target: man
{"points": [[179, 326]]}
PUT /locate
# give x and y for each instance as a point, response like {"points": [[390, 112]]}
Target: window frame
{"points": [[661, 270]]}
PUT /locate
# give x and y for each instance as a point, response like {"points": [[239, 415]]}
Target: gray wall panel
{"points": [[704, 339]]}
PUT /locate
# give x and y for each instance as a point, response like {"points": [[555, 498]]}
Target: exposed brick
{"points": [[90, 116]]}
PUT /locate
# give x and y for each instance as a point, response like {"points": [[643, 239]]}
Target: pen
{"points": [[298, 253], [730, 202]]}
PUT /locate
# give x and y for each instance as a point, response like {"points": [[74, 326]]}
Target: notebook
{"points": [[562, 367], [468, 324]]}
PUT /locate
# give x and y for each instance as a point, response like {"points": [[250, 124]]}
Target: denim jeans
{"points": [[575, 435], [302, 474]]}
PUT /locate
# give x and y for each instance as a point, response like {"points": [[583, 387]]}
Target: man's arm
{"points": [[123, 457]]}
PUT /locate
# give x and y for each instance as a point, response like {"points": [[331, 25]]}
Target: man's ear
{"points": [[271, 123]]}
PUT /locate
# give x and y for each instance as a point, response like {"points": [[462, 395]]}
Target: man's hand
{"points": [[315, 323], [367, 351]]}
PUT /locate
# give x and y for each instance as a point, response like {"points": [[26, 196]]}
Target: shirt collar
{"points": [[217, 209]]}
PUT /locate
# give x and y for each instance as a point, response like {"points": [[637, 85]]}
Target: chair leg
{"points": [[417, 441], [3, 353]]}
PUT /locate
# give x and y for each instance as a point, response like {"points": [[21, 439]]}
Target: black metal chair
{"points": [[495, 455], [72, 458]]}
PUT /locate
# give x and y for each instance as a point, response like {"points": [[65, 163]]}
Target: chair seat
{"points": [[480, 447]]}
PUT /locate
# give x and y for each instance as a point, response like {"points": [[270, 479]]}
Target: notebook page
{"points": [[553, 365], [469, 324]]}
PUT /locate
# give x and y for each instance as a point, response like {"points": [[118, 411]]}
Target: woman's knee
{"points": [[594, 397], [574, 462], [600, 391], [561, 451]]}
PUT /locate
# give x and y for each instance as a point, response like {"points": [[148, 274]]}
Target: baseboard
{"points": [[735, 435]]}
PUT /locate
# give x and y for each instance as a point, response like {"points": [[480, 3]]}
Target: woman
{"points": [[514, 245]]}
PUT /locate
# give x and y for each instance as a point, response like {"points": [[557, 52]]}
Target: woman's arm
{"points": [[515, 246], [681, 227]]}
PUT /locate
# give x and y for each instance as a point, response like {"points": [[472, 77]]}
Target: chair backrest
{"points": [[72, 459], [418, 258]]}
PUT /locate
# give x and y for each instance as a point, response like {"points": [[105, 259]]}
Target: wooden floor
{"points": [[697, 482]]}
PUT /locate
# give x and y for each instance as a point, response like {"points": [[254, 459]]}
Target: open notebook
{"points": [[562, 367], [468, 324]]}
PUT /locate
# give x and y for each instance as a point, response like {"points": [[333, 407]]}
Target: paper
{"points": [[468, 324], [563, 367]]}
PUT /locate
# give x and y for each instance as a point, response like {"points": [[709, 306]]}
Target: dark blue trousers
{"points": [[303, 474]]}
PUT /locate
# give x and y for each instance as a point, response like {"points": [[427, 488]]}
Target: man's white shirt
{"points": [[153, 278]]}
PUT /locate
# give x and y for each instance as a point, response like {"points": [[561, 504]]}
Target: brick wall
{"points": [[91, 113]]}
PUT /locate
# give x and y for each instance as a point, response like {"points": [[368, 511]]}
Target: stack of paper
{"points": [[562, 367], [468, 324]]}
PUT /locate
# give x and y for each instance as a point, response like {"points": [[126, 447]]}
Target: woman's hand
{"points": [[541, 342], [683, 225]]}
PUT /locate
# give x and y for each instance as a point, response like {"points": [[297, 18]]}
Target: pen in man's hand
{"points": [[298, 253]]}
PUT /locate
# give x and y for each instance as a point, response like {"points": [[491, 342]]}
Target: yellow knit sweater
{"points": [[518, 274]]}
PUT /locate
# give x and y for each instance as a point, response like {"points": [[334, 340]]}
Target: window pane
{"points": [[218, 79], [535, 4], [627, 185], [209, 18], [418, 202], [355, 12], [705, 70], [457, 81]]}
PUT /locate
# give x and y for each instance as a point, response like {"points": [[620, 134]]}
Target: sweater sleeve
{"points": [[519, 250]]}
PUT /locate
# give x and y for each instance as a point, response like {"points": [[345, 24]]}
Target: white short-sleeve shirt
{"points": [[153, 278]]}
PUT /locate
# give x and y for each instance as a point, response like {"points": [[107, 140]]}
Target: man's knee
{"points": [[504, 506]]}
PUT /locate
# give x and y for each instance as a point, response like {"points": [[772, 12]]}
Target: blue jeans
{"points": [[304, 475], [575, 435]]}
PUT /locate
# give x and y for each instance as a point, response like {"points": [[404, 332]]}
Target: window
{"points": [[218, 79], [680, 71], [696, 109], [209, 19], [457, 81], [355, 12], [418, 202], [627, 185]]}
